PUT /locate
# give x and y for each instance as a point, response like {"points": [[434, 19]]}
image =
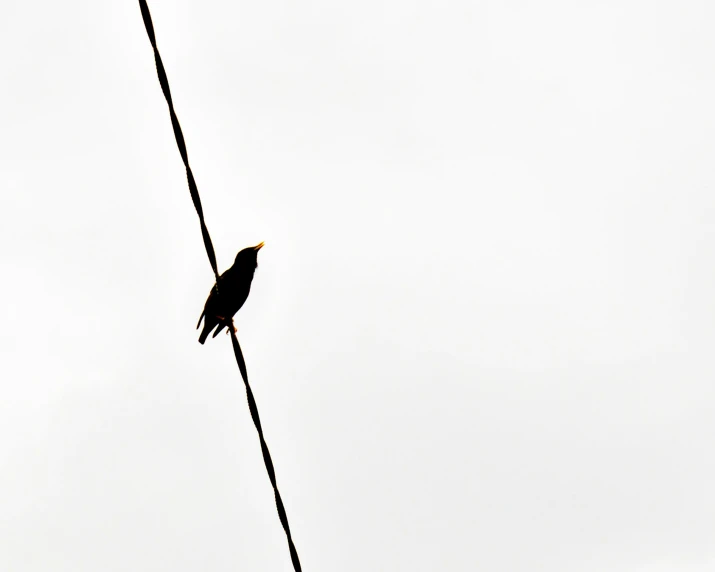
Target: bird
{"points": [[234, 286]]}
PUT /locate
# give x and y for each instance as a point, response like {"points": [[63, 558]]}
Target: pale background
{"points": [[481, 331]]}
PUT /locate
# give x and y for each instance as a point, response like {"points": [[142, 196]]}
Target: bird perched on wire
{"points": [[233, 288]]}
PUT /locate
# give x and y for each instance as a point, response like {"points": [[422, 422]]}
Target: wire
{"points": [[212, 259]]}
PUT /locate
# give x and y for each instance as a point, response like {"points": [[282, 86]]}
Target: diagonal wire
{"points": [[264, 448], [212, 259]]}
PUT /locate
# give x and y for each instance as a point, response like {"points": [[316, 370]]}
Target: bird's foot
{"points": [[235, 331]]}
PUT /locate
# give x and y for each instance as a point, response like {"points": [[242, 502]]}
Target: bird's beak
{"points": [[259, 246]]}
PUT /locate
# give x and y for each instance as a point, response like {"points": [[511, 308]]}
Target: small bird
{"points": [[233, 288]]}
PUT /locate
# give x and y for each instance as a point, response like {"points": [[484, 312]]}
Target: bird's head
{"points": [[248, 257]]}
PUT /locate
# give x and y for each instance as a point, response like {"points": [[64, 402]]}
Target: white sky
{"points": [[481, 331]]}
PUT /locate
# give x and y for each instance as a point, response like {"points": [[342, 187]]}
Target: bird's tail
{"points": [[207, 329], [205, 332]]}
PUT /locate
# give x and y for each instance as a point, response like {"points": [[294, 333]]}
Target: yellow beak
{"points": [[259, 246]]}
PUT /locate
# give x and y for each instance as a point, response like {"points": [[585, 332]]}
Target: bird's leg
{"points": [[228, 323]]}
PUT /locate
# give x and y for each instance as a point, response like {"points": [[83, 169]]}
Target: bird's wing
{"points": [[219, 328], [209, 302]]}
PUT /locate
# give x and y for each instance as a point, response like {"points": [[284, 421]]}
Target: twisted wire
{"points": [[146, 16]]}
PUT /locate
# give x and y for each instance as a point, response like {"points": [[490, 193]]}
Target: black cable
{"points": [[212, 259]]}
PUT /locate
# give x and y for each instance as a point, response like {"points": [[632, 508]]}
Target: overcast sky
{"points": [[481, 331]]}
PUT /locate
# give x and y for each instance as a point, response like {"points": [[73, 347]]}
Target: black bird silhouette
{"points": [[234, 286]]}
